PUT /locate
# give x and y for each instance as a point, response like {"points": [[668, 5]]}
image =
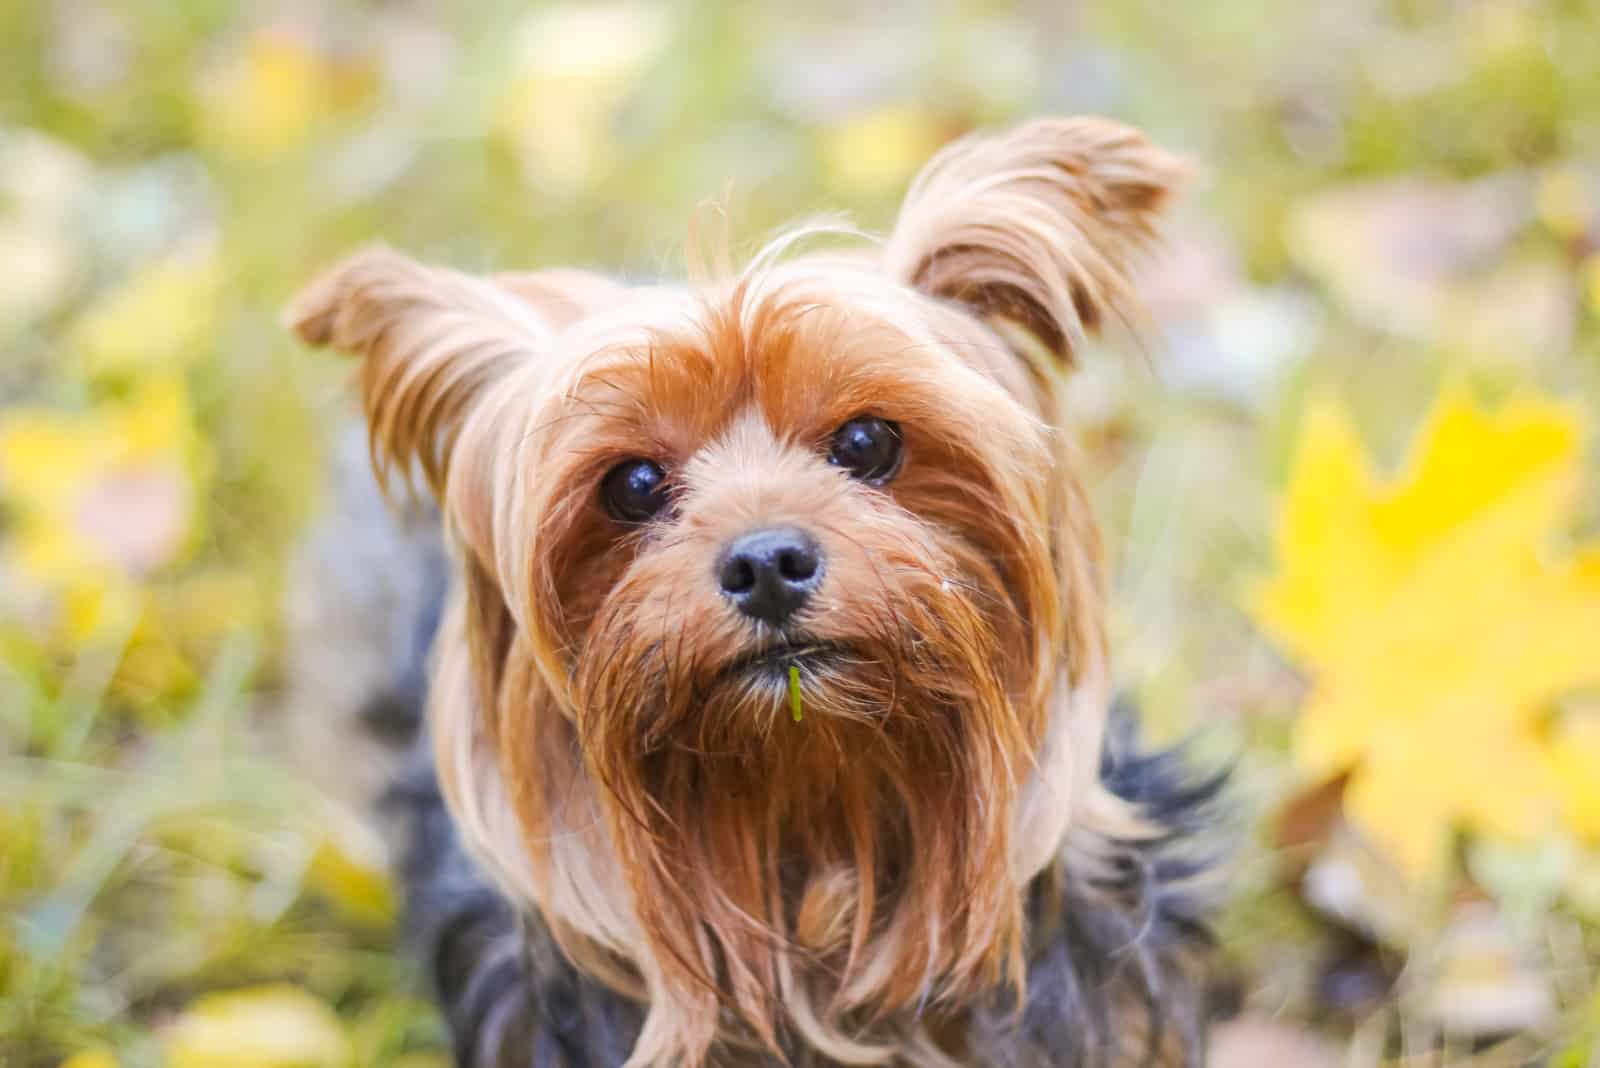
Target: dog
{"points": [[768, 718]]}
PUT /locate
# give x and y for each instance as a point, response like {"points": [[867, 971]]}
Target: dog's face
{"points": [[776, 668]]}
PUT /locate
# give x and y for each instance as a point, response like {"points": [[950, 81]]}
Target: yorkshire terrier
{"points": [[770, 702]]}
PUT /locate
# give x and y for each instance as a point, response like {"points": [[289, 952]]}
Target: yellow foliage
{"points": [[266, 100], [360, 890], [1577, 768], [155, 321], [260, 1027], [1495, 33], [103, 503], [1436, 620], [1561, 199], [878, 150], [207, 606], [52, 463], [574, 65], [93, 1058], [1590, 277], [99, 500]]}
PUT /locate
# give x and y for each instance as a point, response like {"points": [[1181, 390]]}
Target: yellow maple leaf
{"points": [[1435, 619], [260, 1027]]}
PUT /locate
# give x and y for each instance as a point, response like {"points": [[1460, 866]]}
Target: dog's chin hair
{"points": [[847, 870]]}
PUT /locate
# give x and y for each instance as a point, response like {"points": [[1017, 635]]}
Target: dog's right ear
{"points": [[432, 343]]}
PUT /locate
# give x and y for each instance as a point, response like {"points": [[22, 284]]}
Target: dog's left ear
{"points": [[1039, 226]]}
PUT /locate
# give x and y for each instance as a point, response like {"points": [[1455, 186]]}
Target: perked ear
{"points": [[1039, 226], [432, 341]]}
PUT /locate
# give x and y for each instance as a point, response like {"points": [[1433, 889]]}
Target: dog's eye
{"points": [[868, 447], [634, 490]]}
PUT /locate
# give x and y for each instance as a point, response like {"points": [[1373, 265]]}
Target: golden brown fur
{"points": [[856, 880]]}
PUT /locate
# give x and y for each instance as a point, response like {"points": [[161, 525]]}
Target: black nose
{"points": [[770, 573]]}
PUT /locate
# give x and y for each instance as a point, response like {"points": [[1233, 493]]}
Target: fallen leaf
{"points": [[1307, 820], [1435, 619], [260, 1027]]}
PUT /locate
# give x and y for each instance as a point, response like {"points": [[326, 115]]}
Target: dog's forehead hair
{"points": [[792, 357]]}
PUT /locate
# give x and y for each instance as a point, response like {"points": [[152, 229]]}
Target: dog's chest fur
{"points": [[1114, 975]]}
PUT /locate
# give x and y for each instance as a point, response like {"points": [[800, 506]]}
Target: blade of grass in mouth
{"points": [[794, 691]]}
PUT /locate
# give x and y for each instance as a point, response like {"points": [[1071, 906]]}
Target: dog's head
{"points": [[777, 664]]}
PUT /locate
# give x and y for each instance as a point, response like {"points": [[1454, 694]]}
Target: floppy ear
{"points": [[432, 341], [1038, 226]]}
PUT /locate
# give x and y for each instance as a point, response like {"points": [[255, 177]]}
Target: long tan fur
{"points": [[857, 880]]}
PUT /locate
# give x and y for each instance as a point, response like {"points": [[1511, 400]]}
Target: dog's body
{"points": [[771, 695]]}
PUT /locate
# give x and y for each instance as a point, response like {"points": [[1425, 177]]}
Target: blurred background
{"points": [[1350, 483]]}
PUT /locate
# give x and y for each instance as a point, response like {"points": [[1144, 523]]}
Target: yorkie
{"points": [[770, 698]]}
